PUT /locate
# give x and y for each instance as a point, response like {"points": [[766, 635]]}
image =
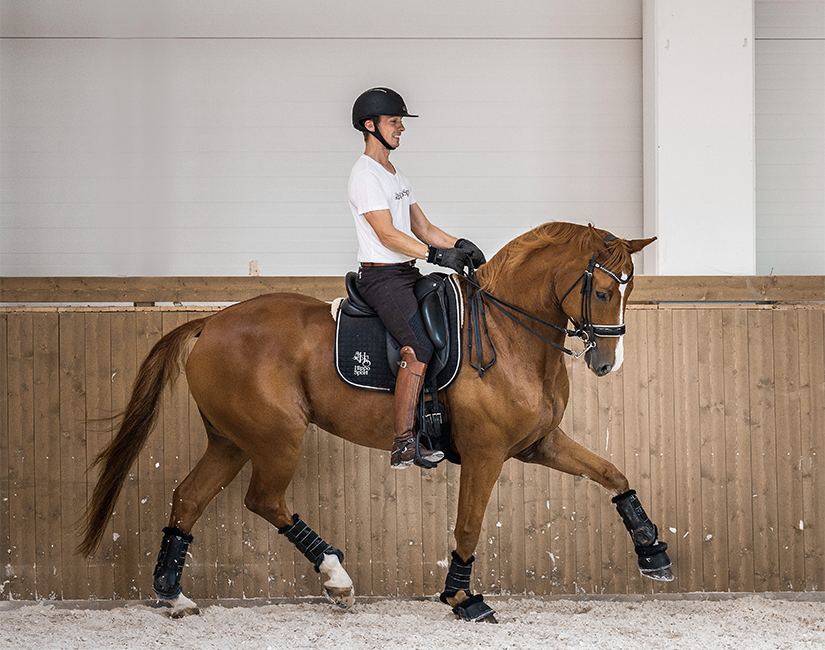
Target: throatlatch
{"points": [[472, 608], [171, 560], [653, 560], [309, 542]]}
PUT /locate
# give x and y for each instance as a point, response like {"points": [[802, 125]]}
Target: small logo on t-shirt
{"points": [[400, 195]]}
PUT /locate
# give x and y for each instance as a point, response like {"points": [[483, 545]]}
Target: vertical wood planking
{"points": [[744, 411], [688, 452], [152, 494], [763, 450], [812, 400], [663, 458], [383, 524], [634, 378], [71, 484], [22, 476], [738, 450], [203, 559], [713, 457], [125, 541], [48, 538], [98, 366], [5, 438], [610, 446], [436, 543], [790, 522]]}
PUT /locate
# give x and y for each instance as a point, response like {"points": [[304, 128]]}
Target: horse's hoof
{"points": [[184, 611], [662, 575], [343, 598]]}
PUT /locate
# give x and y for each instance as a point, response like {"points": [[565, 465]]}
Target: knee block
{"points": [[171, 560]]}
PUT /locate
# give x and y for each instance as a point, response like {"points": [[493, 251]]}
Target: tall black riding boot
{"points": [[407, 393]]}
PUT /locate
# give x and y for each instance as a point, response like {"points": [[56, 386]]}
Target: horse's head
{"points": [[596, 284]]}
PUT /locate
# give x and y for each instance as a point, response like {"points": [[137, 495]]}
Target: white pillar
{"points": [[698, 78]]}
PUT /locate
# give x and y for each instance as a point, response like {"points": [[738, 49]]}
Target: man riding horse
{"points": [[392, 233]]}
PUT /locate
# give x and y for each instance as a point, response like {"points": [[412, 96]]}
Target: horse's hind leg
{"points": [[215, 470], [558, 451], [271, 474]]}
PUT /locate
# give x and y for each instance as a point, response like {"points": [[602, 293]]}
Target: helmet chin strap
{"points": [[377, 135]]}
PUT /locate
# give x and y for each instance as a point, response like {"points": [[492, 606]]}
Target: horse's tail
{"points": [[160, 367]]}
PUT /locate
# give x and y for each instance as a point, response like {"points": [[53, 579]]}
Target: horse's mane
{"points": [[614, 255]]}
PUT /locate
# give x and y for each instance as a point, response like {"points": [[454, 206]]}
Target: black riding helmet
{"points": [[376, 102]]}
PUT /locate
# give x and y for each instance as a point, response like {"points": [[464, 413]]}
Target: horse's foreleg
{"points": [[558, 451], [215, 470], [266, 497], [478, 476]]}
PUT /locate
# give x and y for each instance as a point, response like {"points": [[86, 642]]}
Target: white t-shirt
{"points": [[371, 187]]}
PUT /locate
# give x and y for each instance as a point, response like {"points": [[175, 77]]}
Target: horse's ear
{"points": [[638, 244]]}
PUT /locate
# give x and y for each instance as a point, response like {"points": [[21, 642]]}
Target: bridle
{"points": [[584, 329]]}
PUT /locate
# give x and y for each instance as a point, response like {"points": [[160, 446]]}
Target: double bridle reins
{"points": [[584, 329]]}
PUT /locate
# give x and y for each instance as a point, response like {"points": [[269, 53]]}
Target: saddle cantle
{"points": [[367, 356]]}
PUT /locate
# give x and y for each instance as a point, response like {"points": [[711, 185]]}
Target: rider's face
{"points": [[391, 128]]}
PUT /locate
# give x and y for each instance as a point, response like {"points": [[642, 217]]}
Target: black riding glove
{"points": [[476, 256], [450, 257]]}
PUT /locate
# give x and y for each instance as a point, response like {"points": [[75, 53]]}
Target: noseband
{"points": [[585, 329]]}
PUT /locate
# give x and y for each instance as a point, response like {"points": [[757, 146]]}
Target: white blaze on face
{"points": [[618, 358]]}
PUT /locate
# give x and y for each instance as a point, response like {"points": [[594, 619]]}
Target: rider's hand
{"points": [[453, 258], [476, 256]]}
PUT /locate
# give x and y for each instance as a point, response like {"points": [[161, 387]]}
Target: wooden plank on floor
{"points": [[5, 493], [789, 454], [763, 448], [812, 399], [740, 502], [711, 425], [688, 451], [537, 565], [22, 475], [331, 485], [71, 481], [48, 538], [562, 501]]}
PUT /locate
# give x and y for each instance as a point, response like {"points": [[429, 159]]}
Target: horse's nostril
{"points": [[605, 369]]}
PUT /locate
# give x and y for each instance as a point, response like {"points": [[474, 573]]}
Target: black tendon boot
{"points": [[472, 608], [653, 560], [171, 559], [309, 542]]}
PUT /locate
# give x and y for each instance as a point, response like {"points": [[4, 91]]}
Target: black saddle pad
{"points": [[364, 351]]}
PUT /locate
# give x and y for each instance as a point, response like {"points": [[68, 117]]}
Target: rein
{"points": [[584, 330]]}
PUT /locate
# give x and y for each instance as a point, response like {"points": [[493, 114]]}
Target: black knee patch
{"points": [[171, 560], [309, 542]]}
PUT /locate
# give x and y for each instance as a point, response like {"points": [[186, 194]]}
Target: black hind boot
{"points": [[171, 560]]}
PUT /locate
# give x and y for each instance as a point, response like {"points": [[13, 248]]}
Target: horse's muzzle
{"points": [[597, 360]]}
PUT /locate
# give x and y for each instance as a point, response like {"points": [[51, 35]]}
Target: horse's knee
{"points": [[615, 481]]}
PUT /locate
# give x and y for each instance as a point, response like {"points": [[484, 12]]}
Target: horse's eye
{"points": [[601, 296]]}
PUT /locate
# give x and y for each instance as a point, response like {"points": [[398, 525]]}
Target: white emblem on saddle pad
{"points": [[363, 359]]}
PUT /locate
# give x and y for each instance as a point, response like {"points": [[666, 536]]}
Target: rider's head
{"points": [[371, 105]]}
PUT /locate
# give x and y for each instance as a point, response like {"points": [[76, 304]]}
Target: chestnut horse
{"points": [[262, 370]]}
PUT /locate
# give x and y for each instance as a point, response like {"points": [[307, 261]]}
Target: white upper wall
{"points": [[194, 156]]}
